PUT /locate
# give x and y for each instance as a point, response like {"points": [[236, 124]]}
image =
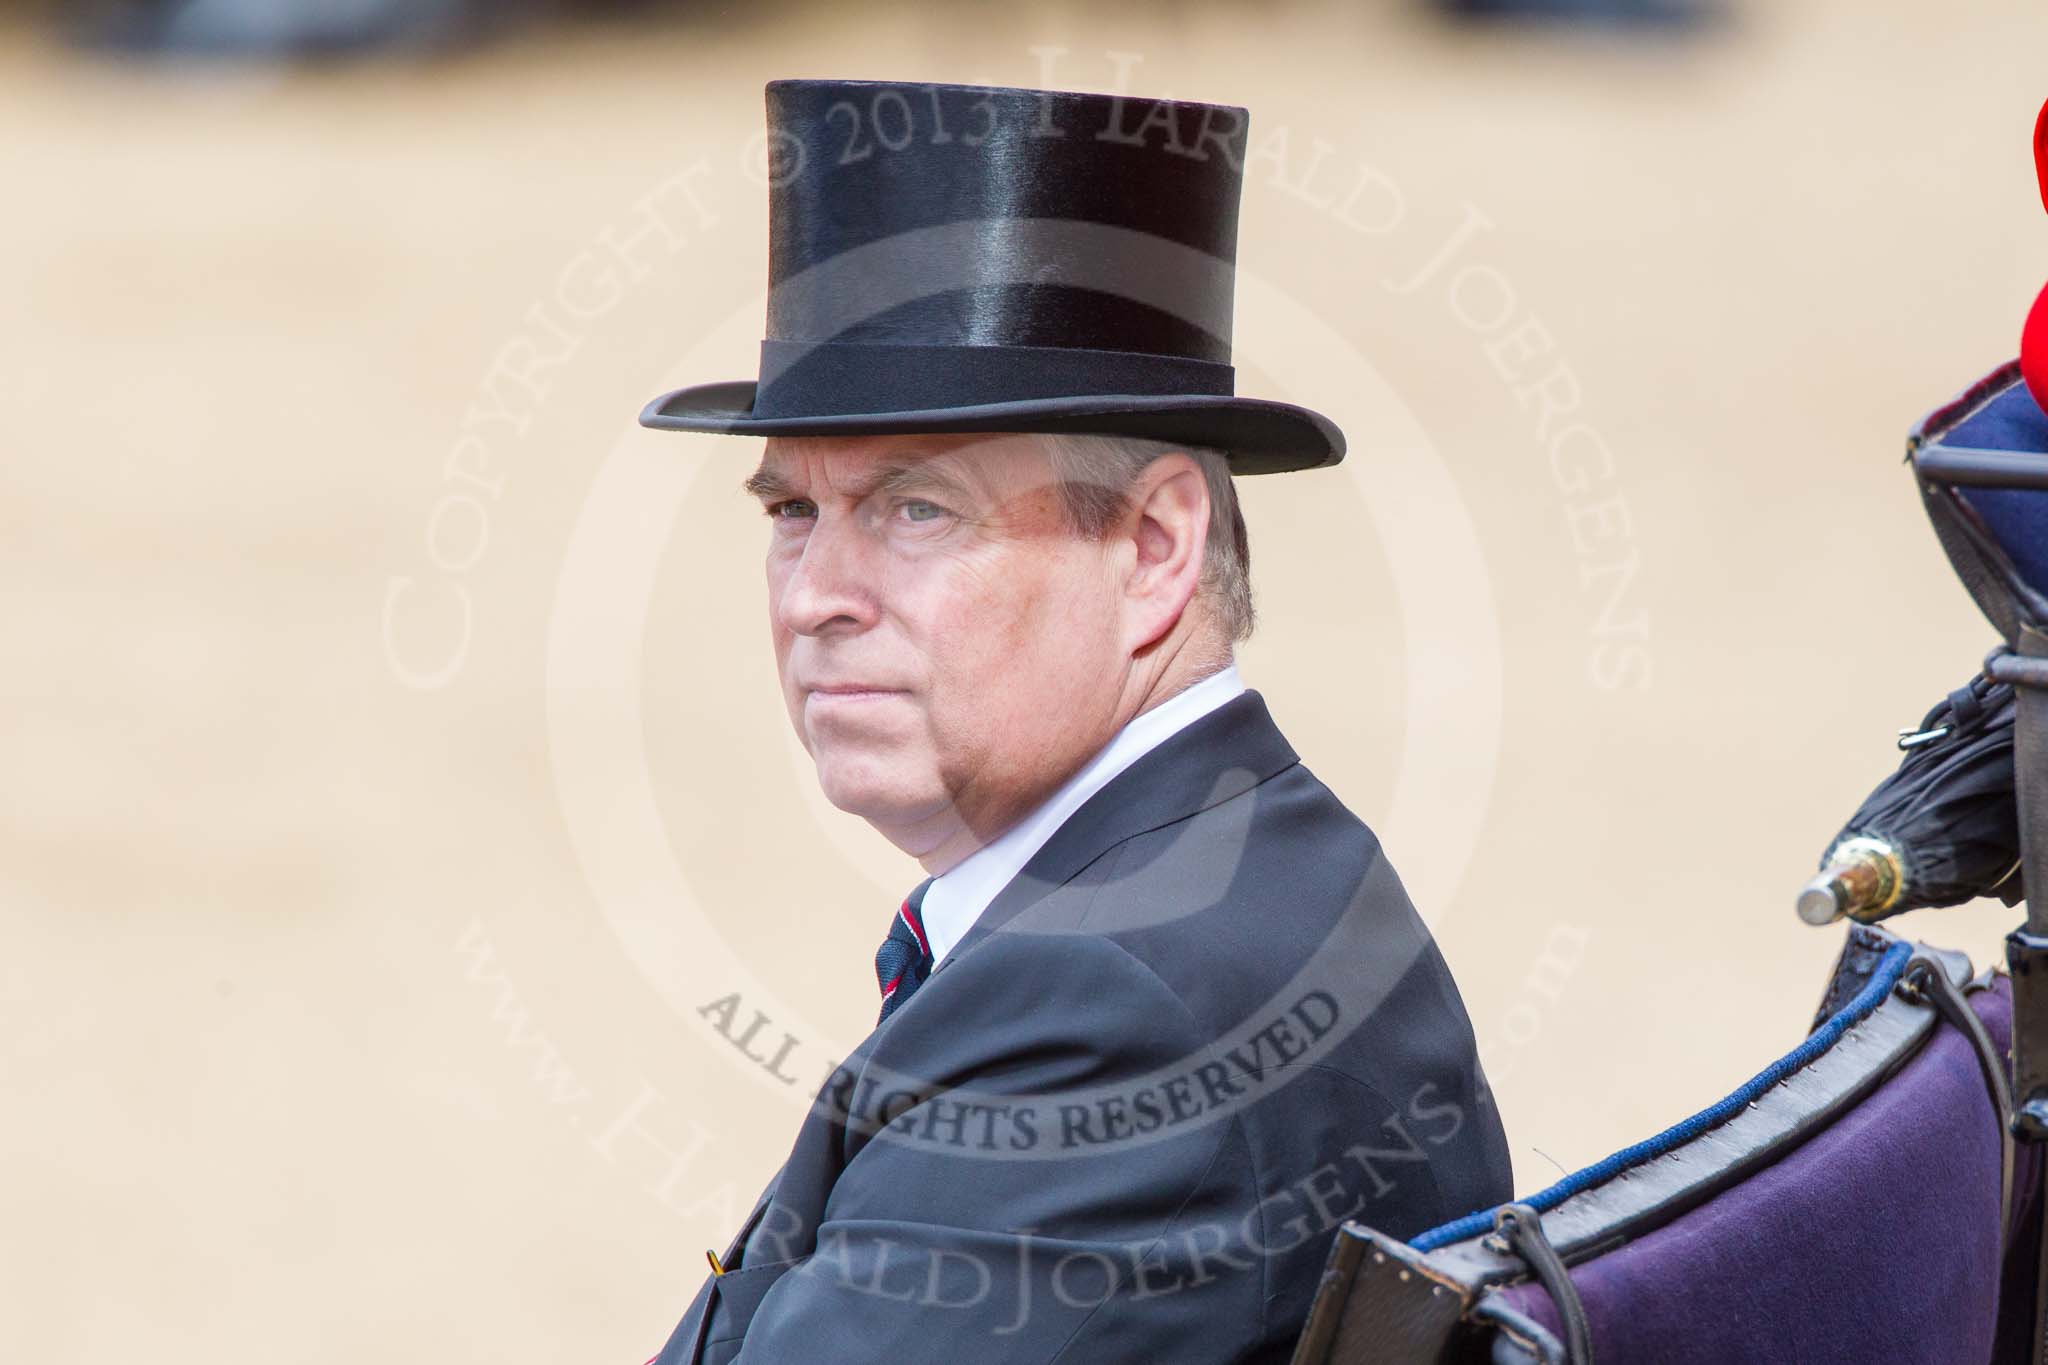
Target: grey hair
{"points": [[1095, 475]]}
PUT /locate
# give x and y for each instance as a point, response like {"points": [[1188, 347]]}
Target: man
{"points": [[1160, 1015]]}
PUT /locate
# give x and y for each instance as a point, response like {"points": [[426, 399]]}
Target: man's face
{"points": [[949, 651]]}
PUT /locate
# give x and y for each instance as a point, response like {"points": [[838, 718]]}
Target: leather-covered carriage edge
{"points": [[1390, 1302]]}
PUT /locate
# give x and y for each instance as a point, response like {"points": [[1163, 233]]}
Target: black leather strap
{"points": [[2041, 1290], [1926, 979], [2031, 769], [2026, 957], [2031, 763], [1517, 1338], [1522, 1228], [2026, 948]]}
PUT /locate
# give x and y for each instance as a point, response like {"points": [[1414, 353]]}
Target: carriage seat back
{"points": [[1848, 1203]]}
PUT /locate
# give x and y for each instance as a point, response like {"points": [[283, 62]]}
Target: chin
{"points": [[869, 786]]}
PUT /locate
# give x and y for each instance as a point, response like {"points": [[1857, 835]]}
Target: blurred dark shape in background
{"points": [[1619, 13], [300, 29], [285, 29]]}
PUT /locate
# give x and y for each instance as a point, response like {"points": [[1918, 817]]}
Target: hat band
{"points": [[838, 378]]}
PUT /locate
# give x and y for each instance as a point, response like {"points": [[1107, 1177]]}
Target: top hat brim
{"points": [[1258, 435]]}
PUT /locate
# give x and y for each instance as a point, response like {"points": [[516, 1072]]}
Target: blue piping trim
{"points": [[1889, 969]]}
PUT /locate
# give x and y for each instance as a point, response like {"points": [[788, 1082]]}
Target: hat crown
{"points": [[962, 215], [976, 258]]}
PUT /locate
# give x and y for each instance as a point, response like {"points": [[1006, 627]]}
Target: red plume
{"points": [[2034, 337], [2041, 153]]}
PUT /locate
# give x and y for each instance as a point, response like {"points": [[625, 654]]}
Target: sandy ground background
{"points": [[391, 759]]}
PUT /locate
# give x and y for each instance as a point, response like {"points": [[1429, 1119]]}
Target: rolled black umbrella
{"points": [[1942, 829]]}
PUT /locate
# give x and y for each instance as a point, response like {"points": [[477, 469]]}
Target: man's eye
{"points": [[917, 509], [791, 507]]}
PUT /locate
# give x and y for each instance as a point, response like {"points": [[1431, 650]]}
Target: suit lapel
{"points": [[1215, 757]]}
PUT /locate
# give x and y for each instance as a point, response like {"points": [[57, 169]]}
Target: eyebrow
{"points": [[767, 484]]}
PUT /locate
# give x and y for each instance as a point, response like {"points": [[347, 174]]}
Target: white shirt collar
{"points": [[956, 898]]}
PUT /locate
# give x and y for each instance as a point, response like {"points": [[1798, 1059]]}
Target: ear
{"points": [[1167, 522]]}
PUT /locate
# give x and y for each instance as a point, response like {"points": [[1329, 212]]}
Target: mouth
{"points": [[851, 692]]}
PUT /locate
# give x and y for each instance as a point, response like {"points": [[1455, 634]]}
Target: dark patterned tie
{"points": [[905, 958]]}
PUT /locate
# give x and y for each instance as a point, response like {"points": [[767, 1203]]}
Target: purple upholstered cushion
{"points": [[1875, 1240]]}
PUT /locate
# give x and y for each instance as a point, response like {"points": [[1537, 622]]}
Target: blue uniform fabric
{"points": [[2016, 518]]}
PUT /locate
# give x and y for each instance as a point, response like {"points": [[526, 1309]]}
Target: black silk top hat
{"points": [[958, 258]]}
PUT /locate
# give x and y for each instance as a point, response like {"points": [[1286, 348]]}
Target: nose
{"points": [[827, 586]]}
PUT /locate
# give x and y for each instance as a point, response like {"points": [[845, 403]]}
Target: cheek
{"points": [[953, 621], [780, 637], [1036, 625], [1074, 606], [970, 628]]}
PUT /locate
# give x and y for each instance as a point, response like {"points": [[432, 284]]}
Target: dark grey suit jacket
{"points": [[1123, 1118]]}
